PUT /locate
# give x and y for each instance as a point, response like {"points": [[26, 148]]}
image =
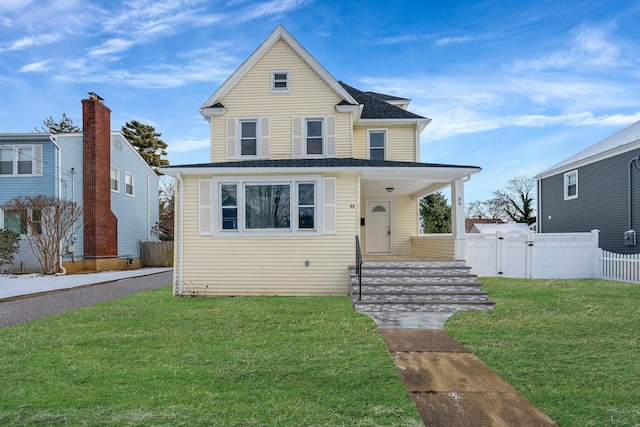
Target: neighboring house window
{"points": [[280, 82], [377, 144], [14, 221], [115, 179], [248, 137], [253, 205], [129, 181], [21, 160], [36, 219], [571, 185], [314, 137]]}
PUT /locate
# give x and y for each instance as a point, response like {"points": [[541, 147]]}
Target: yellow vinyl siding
{"points": [[401, 142], [242, 265], [309, 96]]}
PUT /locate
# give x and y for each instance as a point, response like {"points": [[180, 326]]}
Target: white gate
{"points": [[533, 255]]}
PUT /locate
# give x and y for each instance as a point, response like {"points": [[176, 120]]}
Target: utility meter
{"points": [[630, 238]]}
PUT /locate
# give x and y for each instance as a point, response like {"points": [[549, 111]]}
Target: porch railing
{"points": [[359, 267]]}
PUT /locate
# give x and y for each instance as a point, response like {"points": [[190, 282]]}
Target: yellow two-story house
{"points": [[301, 165]]}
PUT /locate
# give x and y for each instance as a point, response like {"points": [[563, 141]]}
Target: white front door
{"points": [[378, 227]]}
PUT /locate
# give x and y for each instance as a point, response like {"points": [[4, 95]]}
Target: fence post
{"points": [[597, 253]]}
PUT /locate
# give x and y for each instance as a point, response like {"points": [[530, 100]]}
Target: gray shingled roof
{"points": [[375, 107], [317, 163]]}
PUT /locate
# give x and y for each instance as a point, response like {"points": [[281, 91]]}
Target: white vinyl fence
{"points": [[534, 255], [624, 267]]}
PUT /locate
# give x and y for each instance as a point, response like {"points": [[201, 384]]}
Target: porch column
{"points": [[457, 219]]}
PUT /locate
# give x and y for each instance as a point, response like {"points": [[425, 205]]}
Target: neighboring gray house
{"points": [[597, 188], [98, 169]]}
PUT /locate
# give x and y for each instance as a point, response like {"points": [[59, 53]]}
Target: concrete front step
{"points": [[425, 288], [411, 307], [422, 297]]}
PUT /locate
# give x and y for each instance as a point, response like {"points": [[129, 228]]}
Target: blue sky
{"points": [[511, 86]]}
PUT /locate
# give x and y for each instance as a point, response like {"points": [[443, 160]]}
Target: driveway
{"points": [[42, 299]]}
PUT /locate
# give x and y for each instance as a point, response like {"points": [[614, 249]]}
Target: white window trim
{"points": [[386, 134], [324, 137], [292, 181], [273, 81], [133, 184], [239, 137], [36, 157], [566, 187], [117, 180]]}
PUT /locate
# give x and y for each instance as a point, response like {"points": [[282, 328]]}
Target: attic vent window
{"points": [[280, 82]]}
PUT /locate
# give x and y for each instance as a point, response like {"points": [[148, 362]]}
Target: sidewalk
{"points": [[17, 286]]}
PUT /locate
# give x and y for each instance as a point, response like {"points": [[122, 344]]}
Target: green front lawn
{"points": [[572, 347], [153, 359]]}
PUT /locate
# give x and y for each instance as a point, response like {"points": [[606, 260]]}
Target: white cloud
{"points": [[36, 67], [29, 41], [452, 40], [111, 46], [590, 47], [185, 145]]}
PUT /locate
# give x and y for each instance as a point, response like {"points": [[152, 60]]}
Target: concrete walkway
{"points": [[452, 387]]}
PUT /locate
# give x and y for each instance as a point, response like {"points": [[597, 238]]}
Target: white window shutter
{"points": [[37, 155], [296, 132], [329, 206], [204, 207], [264, 137], [231, 138], [331, 137]]}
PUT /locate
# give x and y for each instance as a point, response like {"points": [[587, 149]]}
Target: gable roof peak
{"points": [[280, 33]]}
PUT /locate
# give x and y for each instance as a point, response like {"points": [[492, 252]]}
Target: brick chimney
{"points": [[100, 224]]}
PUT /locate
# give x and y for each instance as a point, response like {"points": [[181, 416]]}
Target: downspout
{"points": [[178, 235], [63, 270], [635, 159]]}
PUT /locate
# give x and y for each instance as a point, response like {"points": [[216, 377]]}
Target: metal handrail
{"points": [[359, 267]]}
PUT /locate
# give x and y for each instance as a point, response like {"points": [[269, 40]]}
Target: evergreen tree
{"points": [[147, 142], [435, 213], [65, 125]]}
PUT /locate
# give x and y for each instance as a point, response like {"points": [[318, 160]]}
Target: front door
{"points": [[378, 227]]}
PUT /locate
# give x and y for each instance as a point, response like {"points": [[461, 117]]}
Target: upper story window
{"points": [[571, 185], [129, 183], [280, 82], [115, 179], [377, 144], [20, 160], [248, 137], [314, 137]]}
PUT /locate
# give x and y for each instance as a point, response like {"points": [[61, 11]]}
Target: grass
{"points": [[572, 347], [152, 359]]}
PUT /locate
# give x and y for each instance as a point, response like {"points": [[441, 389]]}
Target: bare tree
{"points": [[489, 209], [164, 228], [518, 199], [514, 203], [46, 221]]}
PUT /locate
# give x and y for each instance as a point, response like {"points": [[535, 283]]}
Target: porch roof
{"points": [[377, 176]]}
